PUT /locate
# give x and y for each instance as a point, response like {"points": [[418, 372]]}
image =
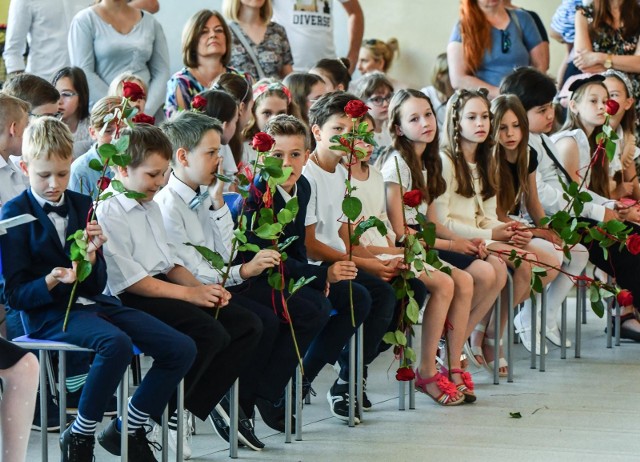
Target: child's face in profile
{"points": [[229, 128], [48, 177], [541, 118], [337, 124], [68, 102], [268, 107], [201, 164], [294, 154], [146, 178]]}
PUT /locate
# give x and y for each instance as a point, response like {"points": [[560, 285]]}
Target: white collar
{"points": [[182, 189], [285, 195]]}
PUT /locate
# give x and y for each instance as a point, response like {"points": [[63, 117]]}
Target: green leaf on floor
{"points": [[515, 415]]}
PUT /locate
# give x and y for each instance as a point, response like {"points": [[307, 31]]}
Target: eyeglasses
{"points": [[380, 100], [506, 41], [68, 94]]}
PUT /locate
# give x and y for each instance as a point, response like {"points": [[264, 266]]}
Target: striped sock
{"points": [[76, 382], [135, 420], [173, 421], [83, 426]]}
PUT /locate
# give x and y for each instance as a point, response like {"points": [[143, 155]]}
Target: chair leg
{"points": [[510, 328], [360, 370], [412, 382], [618, 323], [62, 388], [288, 409], [580, 299], [534, 330], [233, 420], [123, 396], [496, 343], [44, 359], [298, 404], [181, 429], [165, 435], [563, 328], [352, 381]]}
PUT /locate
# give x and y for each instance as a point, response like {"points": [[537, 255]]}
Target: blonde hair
{"points": [[101, 109], [231, 10], [115, 89], [382, 51], [47, 137], [12, 109]]}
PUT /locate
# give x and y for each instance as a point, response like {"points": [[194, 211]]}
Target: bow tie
{"points": [[62, 210], [198, 200]]}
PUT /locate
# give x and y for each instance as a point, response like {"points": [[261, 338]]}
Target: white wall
{"points": [[421, 26]]}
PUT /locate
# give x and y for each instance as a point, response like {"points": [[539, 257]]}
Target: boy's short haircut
{"points": [[370, 83], [328, 105], [287, 125], [101, 109], [185, 129], [531, 86], [144, 141], [12, 109], [30, 88], [47, 137]]}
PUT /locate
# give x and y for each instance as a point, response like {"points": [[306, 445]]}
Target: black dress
{"points": [[10, 354]]}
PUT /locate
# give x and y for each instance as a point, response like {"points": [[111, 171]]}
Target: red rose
{"points": [[133, 91], [199, 103], [356, 109], [633, 244], [404, 374], [262, 142], [142, 118], [625, 298], [412, 198], [612, 107], [103, 183]]}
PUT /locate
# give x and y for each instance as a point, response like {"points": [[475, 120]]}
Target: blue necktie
{"points": [[198, 200]]}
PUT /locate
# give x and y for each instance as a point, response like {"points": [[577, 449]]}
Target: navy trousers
{"points": [[111, 331]]}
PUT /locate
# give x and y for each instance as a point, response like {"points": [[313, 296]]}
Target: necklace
{"points": [[315, 156]]}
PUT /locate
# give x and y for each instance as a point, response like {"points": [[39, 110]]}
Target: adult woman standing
{"points": [[260, 46], [112, 37], [605, 39], [489, 41], [206, 52]]}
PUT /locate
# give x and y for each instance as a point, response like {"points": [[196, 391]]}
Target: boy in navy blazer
{"points": [[39, 277]]}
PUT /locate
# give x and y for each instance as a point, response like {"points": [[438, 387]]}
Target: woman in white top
{"points": [[415, 135], [468, 207], [112, 37]]}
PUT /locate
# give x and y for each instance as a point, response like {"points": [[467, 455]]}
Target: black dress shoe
{"points": [[139, 449], [273, 414], [75, 447]]}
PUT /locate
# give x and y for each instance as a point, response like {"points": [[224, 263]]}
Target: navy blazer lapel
{"points": [[45, 221], [73, 220]]}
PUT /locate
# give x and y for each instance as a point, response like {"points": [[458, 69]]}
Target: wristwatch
{"points": [[608, 63]]}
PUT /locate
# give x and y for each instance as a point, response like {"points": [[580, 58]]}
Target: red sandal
{"points": [[449, 390], [466, 387]]}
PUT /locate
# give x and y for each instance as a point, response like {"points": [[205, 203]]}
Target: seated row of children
{"points": [[172, 295]]}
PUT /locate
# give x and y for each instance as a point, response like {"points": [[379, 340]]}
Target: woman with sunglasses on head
{"points": [[489, 41]]}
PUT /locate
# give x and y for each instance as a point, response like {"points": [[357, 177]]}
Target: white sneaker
{"points": [[554, 336], [525, 335], [187, 433]]}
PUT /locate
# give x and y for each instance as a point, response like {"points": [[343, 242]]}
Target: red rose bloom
{"points": [[612, 107], [356, 109], [404, 374], [412, 198], [103, 183], [142, 118], [262, 142], [199, 103], [633, 244], [133, 91], [625, 298]]}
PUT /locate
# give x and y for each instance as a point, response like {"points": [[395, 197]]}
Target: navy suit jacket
{"points": [[296, 265], [31, 251]]}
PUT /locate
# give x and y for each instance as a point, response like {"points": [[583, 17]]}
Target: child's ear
{"points": [[123, 172], [93, 133], [316, 130], [24, 167], [181, 157], [630, 102], [306, 156], [572, 106], [398, 130], [13, 128]]}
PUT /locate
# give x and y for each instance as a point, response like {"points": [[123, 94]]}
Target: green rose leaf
{"points": [[106, 151], [351, 207], [213, 258], [117, 185], [95, 164], [275, 280], [83, 270], [390, 338], [401, 339]]}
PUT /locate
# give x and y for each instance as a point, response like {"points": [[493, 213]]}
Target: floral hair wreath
{"points": [[264, 87]]}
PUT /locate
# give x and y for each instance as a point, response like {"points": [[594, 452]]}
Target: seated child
{"points": [[84, 179], [39, 279], [145, 272], [40, 94]]}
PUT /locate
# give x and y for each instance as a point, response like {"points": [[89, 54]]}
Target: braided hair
{"points": [[452, 147]]}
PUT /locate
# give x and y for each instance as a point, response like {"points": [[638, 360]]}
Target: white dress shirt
{"points": [[549, 187], [137, 244], [199, 226], [60, 224], [12, 181], [45, 25]]}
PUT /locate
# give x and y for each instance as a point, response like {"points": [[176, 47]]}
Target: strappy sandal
{"points": [[448, 389], [474, 350], [502, 363], [467, 385]]}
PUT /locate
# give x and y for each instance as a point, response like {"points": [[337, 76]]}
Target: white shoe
{"points": [[554, 336], [525, 335], [187, 432]]}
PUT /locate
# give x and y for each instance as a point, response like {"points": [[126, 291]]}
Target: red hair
{"points": [[475, 31]]}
